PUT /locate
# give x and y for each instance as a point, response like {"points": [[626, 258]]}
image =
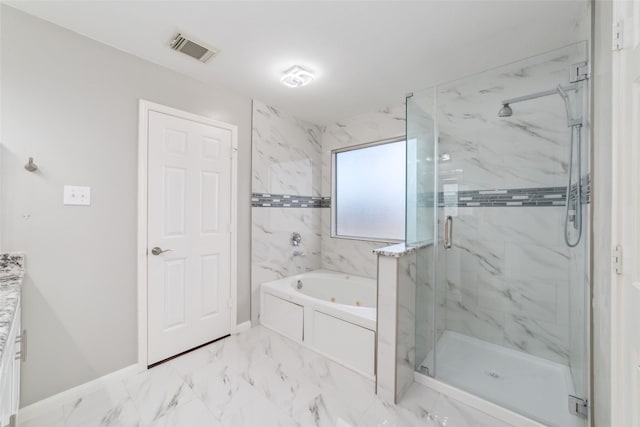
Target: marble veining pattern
{"points": [[11, 274], [257, 378], [272, 253], [506, 280], [528, 149], [286, 153], [386, 329], [406, 315], [286, 182]]}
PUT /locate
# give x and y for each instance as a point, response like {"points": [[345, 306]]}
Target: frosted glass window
{"points": [[369, 198]]}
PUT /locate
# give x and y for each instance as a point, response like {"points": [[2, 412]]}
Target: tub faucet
{"points": [[298, 253]]}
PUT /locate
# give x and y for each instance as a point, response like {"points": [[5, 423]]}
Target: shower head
{"points": [[560, 90], [505, 111]]}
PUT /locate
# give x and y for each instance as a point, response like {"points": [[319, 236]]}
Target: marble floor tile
{"points": [[157, 392], [344, 393], [421, 401], [250, 408], [191, 362], [281, 384], [277, 347], [256, 379], [216, 385], [192, 414], [110, 406], [383, 414], [450, 412]]}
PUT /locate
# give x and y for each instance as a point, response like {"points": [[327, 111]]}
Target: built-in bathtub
{"points": [[331, 313]]}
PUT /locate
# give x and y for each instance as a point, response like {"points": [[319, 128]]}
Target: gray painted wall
{"points": [[72, 104]]}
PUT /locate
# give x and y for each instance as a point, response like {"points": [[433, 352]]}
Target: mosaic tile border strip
{"points": [[544, 196], [515, 197], [263, 200]]}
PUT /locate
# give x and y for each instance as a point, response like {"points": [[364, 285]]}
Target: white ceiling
{"points": [[366, 54]]}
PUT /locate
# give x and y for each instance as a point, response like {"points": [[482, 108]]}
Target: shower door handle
{"points": [[448, 232]]}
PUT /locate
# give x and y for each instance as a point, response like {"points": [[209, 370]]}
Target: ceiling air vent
{"points": [[193, 48]]}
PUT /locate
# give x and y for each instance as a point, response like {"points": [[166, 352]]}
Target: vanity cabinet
{"points": [[10, 374]]}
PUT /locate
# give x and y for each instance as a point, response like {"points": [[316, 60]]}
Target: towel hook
{"points": [[31, 167]]}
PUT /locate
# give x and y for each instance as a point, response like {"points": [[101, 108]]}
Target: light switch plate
{"points": [[77, 196]]}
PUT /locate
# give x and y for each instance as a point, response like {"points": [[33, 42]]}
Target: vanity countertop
{"points": [[11, 274]]}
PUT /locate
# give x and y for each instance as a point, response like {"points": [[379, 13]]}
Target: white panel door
{"points": [[189, 205]]}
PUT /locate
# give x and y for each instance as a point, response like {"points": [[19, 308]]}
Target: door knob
{"points": [[158, 251]]}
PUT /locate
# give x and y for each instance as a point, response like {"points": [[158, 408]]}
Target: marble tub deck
{"points": [[256, 378]]}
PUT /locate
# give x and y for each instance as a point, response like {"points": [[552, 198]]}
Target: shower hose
{"points": [[577, 222]]}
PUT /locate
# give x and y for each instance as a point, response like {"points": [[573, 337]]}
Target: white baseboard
{"points": [[56, 401], [244, 326], [476, 402]]}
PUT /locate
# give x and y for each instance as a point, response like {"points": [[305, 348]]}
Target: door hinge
{"points": [[578, 406], [617, 259], [618, 35], [579, 72]]}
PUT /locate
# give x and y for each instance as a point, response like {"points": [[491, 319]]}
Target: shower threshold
{"points": [[529, 385]]}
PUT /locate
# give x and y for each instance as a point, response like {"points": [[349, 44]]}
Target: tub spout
{"points": [[298, 253]]}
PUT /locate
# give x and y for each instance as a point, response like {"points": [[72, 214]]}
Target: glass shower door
{"points": [[421, 216], [502, 300]]}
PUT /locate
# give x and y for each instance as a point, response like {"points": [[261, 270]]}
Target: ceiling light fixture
{"points": [[296, 76]]}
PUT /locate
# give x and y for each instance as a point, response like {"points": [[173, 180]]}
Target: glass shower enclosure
{"points": [[497, 204]]}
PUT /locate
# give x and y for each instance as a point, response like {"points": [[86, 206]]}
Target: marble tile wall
{"points": [[406, 329], [507, 279], [529, 149], [348, 255], [386, 329], [396, 328], [287, 161], [425, 309]]}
